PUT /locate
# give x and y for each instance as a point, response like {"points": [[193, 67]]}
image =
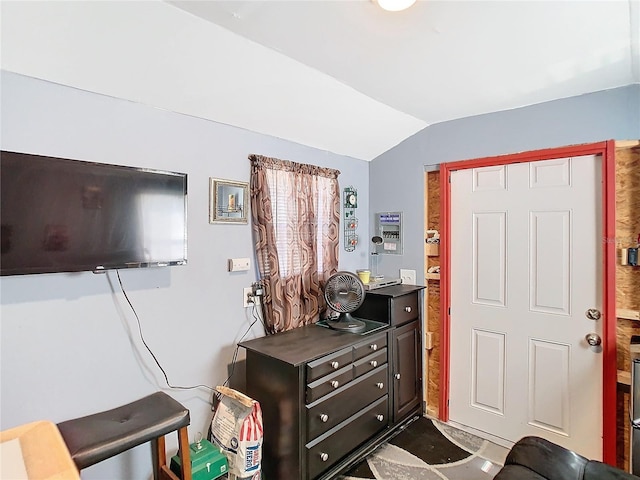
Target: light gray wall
{"points": [[69, 342], [397, 180]]}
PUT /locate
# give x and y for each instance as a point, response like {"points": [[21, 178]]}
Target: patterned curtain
{"points": [[295, 214]]}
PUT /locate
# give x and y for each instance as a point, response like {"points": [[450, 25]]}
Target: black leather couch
{"points": [[534, 458]]}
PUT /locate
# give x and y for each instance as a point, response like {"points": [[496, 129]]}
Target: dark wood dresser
{"points": [[329, 398]]}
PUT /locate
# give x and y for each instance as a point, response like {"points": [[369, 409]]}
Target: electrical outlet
{"points": [[408, 276], [247, 297]]}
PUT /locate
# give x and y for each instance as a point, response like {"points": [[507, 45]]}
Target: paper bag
{"points": [[237, 429]]}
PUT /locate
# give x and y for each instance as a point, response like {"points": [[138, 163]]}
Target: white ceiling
{"points": [[339, 75]]}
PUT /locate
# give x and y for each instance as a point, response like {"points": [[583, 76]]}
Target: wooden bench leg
{"points": [[185, 455], [162, 471], [159, 457]]}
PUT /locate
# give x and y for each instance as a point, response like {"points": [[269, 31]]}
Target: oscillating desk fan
{"points": [[344, 293]]}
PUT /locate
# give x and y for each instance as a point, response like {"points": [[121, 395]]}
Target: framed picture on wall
{"points": [[228, 201]]}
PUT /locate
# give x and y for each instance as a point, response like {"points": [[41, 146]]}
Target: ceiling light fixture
{"points": [[394, 5]]}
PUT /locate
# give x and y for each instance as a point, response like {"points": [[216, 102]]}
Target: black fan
{"points": [[344, 293]]}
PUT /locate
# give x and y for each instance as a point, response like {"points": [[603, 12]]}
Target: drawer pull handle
{"points": [[374, 364], [397, 375], [335, 365], [380, 417], [324, 417], [324, 456], [374, 347], [380, 385], [335, 384], [407, 309]]}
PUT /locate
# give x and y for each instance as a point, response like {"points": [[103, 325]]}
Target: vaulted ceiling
{"points": [[339, 75]]}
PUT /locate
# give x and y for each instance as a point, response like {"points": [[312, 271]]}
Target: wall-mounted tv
{"points": [[62, 215]]}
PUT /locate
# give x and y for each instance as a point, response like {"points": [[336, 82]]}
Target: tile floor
{"points": [[423, 452]]}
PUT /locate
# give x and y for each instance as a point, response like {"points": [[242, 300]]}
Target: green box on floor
{"points": [[207, 461]]}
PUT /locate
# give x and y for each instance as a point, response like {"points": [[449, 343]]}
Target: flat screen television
{"points": [[62, 215]]}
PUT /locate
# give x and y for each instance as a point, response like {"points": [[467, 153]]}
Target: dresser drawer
{"points": [[337, 407], [404, 309], [369, 363], [327, 364], [373, 344], [328, 449], [329, 383]]}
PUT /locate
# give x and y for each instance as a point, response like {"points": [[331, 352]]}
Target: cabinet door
{"points": [[407, 370]]}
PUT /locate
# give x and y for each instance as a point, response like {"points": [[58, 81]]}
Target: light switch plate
{"points": [[408, 276], [238, 264]]}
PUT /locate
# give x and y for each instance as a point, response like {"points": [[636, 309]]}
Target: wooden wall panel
{"points": [[433, 200], [432, 298], [627, 281], [433, 356], [622, 427], [627, 224]]}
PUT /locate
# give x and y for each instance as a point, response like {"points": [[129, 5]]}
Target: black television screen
{"points": [[61, 215]]}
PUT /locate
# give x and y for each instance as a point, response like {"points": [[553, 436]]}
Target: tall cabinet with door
{"points": [[401, 307]]}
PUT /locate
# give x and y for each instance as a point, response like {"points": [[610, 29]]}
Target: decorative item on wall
{"points": [[228, 201], [349, 217]]}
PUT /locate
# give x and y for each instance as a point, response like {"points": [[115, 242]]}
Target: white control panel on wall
{"points": [[238, 264], [389, 228]]}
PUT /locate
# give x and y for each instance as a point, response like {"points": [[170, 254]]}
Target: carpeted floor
{"points": [[430, 450]]}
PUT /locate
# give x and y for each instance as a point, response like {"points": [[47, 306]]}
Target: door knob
{"points": [[593, 339], [593, 314]]}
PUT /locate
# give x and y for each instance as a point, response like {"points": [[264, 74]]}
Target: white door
{"points": [[526, 265]]}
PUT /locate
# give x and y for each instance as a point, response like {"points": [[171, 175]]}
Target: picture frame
{"points": [[228, 201]]}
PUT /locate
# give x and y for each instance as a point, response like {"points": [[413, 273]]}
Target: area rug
{"points": [[430, 450]]}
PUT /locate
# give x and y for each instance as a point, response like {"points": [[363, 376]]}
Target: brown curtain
{"points": [[295, 214]]}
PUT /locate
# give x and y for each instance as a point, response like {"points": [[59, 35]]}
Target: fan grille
{"points": [[344, 292]]}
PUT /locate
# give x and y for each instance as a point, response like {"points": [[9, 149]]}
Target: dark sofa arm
{"points": [[602, 471], [534, 458], [547, 459]]}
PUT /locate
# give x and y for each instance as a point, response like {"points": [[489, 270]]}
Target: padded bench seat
{"points": [[96, 437]]}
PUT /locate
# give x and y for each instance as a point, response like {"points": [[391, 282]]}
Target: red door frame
{"points": [[609, 370]]}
